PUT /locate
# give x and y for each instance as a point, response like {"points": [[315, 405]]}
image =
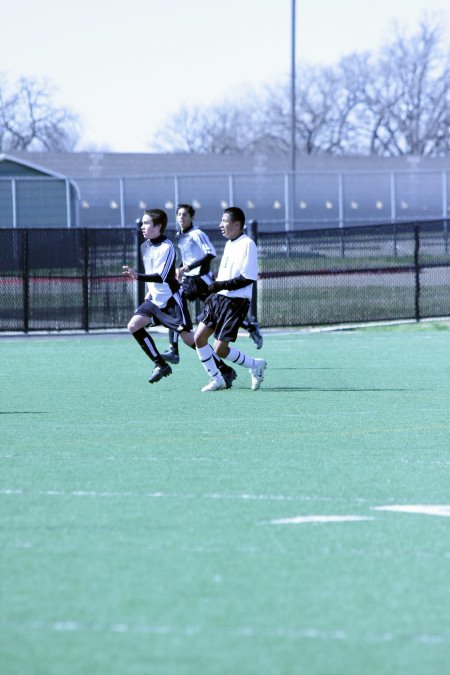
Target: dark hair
{"points": [[189, 208], [237, 214], [159, 217]]}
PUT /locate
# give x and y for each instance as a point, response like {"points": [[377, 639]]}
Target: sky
{"points": [[125, 67]]}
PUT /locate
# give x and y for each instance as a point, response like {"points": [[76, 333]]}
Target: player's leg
{"points": [[207, 357], [232, 313], [207, 320], [136, 326], [256, 367], [172, 353], [254, 332]]}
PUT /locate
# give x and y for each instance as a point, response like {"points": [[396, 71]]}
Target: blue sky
{"points": [[124, 66]]}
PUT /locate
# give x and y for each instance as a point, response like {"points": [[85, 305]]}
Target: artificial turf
{"points": [[139, 522]]}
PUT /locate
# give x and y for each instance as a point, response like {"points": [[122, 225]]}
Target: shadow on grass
{"points": [[336, 389]]}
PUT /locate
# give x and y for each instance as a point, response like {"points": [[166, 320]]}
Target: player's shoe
{"points": [[229, 377], [215, 384], [257, 337], [257, 373], [171, 355], [159, 372]]}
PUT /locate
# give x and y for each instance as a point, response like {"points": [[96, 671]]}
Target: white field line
{"points": [[426, 509], [286, 633], [168, 495], [296, 520]]}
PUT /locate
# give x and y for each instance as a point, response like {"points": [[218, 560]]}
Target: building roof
{"points": [[108, 165], [12, 163]]}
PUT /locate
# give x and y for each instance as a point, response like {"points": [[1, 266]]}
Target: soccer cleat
{"points": [[257, 337], [229, 376], [171, 356], [257, 373], [215, 384], [159, 372]]}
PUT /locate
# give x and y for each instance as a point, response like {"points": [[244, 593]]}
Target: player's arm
{"points": [[132, 274], [230, 284], [156, 278], [197, 263]]}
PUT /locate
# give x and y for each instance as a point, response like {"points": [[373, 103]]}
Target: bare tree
{"points": [[390, 103], [221, 129], [407, 96], [30, 120]]}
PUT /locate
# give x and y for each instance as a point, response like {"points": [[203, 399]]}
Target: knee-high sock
{"points": [[248, 326], [221, 365], [209, 363], [240, 359], [173, 339], [145, 341]]}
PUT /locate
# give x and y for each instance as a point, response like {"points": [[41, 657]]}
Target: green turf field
{"points": [[158, 530]]}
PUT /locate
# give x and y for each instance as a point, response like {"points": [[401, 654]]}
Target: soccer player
{"points": [[164, 302], [228, 304], [197, 252]]}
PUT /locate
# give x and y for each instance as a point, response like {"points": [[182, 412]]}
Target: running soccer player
{"points": [[228, 304], [197, 252], [164, 302]]}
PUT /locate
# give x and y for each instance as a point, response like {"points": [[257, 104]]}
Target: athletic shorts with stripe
{"points": [[175, 315], [225, 315], [195, 288]]}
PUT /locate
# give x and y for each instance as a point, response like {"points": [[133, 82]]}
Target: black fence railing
{"points": [[70, 279]]}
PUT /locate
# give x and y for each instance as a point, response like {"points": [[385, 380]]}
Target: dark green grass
{"points": [[136, 533]]}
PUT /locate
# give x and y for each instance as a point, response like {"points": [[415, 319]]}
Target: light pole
{"points": [[293, 117], [290, 220]]}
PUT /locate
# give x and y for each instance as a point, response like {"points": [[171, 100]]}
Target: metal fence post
{"points": [[122, 202], [416, 272], [14, 201], [26, 281], [445, 208], [341, 212], [68, 205], [394, 210], [85, 282]]}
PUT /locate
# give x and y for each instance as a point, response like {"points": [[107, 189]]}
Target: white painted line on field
{"points": [[296, 520], [245, 632], [426, 509], [168, 495]]}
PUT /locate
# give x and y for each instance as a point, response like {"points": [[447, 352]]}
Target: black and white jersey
{"points": [[194, 246], [158, 257], [240, 258]]}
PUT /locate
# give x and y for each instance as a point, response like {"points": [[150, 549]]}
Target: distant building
{"points": [[34, 196], [112, 189]]}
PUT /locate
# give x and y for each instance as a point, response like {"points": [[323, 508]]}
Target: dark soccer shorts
{"points": [[194, 288], [175, 315], [225, 315]]}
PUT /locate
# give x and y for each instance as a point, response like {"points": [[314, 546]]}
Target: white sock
{"points": [[206, 356], [240, 359]]}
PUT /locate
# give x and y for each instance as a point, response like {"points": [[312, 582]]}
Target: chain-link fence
{"points": [[55, 279], [67, 279]]}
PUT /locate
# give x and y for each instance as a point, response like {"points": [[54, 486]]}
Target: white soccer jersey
{"points": [[240, 257], [195, 245], [159, 259]]}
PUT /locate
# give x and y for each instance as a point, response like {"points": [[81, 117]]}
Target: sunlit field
{"points": [[302, 529]]}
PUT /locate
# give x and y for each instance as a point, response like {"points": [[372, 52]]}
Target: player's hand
{"points": [[215, 286], [129, 272]]}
